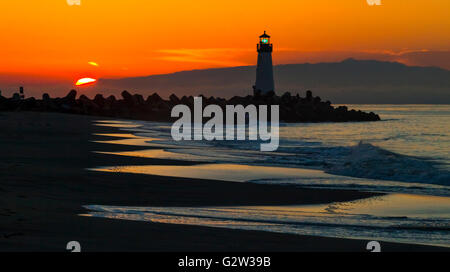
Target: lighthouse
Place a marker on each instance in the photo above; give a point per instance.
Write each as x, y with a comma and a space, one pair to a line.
264, 70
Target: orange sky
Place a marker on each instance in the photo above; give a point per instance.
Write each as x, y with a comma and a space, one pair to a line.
51, 39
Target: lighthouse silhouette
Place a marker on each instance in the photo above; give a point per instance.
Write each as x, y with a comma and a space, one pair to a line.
264, 70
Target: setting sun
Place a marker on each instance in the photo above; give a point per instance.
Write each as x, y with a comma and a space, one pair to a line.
85, 81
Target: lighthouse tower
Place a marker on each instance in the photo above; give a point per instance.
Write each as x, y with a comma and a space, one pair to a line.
264, 71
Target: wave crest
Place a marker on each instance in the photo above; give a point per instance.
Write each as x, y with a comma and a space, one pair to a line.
368, 161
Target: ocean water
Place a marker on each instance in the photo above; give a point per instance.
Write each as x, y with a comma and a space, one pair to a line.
409, 148
407, 154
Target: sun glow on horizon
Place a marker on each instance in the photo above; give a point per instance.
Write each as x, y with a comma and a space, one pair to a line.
85, 81
65, 40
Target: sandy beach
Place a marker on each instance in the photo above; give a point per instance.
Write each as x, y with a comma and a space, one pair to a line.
44, 183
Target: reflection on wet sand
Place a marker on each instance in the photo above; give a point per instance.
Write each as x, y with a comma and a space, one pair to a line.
116, 124
225, 172
395, 217
117, 135
127, 139
262, 174
159, 154
134, 141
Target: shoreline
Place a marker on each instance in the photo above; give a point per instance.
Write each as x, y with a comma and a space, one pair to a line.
45, 186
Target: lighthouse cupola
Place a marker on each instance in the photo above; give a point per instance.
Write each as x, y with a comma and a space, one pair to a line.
264, 43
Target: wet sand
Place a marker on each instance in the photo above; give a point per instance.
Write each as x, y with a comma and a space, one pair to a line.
44, 184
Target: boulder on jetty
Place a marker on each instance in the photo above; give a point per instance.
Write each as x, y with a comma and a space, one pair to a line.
293, 108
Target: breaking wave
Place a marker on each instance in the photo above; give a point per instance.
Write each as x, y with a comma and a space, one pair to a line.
368, 161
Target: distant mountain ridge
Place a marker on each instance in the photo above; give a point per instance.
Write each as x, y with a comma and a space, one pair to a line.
349, 81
